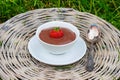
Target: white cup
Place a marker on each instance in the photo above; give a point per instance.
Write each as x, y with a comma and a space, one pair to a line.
58, 49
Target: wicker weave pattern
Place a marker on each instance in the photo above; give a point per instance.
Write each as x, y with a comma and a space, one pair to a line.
17, 64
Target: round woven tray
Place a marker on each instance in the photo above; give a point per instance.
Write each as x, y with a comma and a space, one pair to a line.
16, 63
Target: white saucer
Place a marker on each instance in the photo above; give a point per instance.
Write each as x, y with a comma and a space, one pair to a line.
41, 54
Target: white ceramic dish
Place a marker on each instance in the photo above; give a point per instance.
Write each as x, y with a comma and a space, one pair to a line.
58, 49
41, 54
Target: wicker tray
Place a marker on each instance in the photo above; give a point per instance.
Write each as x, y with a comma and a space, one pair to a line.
17, 64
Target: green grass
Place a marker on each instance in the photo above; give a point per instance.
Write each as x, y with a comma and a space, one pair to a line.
106, 9
109, 10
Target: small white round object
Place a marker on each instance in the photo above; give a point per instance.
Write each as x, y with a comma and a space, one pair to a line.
58, 49
93, 33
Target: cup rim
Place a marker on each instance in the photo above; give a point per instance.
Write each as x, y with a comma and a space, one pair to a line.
61, 45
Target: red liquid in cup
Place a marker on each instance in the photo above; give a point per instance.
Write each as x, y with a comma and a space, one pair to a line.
68, 37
